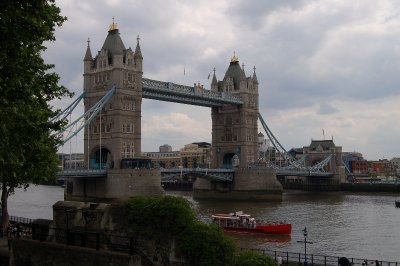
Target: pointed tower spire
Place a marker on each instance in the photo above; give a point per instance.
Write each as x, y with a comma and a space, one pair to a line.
113, 26
138, 52
234, 58
255, 76
88, 54
214, 82
214, 79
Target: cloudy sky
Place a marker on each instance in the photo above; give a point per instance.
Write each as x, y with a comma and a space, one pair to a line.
324, 66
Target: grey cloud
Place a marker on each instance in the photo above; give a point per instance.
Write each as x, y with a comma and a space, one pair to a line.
337, 51
252, 13
326, 109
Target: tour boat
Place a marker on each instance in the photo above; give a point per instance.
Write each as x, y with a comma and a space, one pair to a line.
240, 222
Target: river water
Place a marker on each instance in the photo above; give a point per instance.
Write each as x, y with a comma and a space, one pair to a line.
338, 223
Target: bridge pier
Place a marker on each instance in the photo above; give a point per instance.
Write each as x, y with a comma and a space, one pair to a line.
315, 183
117, 184
248, 184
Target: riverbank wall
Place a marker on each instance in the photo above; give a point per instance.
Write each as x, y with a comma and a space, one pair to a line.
370, 187
30, 252
313, 185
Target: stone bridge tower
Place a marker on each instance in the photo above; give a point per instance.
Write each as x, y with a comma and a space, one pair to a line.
116, 132
234, 128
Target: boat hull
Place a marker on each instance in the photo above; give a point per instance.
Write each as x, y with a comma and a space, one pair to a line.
278, 229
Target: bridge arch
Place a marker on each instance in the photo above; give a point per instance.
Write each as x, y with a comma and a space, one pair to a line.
230, 160
101, 158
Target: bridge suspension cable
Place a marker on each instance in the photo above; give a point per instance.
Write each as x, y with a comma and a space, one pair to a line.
67, 111
320, 166
293, 163
277, 145
86, 118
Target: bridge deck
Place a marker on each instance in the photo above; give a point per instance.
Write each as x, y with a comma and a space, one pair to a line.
176, 173
171, 92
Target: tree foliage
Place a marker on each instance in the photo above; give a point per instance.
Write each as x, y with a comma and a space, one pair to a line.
27, 85
203, 245
168, 218
150, 215
250, 258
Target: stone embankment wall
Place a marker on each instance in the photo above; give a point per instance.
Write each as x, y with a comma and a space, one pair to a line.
78, 229
370, 187
249, 184
321, 184
29, 252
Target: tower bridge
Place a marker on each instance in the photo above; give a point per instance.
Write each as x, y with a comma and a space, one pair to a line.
112, 130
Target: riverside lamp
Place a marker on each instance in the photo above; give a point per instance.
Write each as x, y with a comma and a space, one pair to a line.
305, 245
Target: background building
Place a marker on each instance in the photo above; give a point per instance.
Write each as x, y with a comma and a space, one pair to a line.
71, 161
192, 155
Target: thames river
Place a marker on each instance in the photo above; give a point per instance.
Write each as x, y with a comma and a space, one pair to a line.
338, 223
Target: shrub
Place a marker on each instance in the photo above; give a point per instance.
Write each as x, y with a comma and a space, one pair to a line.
250, 258
163, 219
203, 244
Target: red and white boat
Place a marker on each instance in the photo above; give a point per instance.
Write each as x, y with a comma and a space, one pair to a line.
240, 222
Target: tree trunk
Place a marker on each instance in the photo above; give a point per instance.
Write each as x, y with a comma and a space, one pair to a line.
4, 210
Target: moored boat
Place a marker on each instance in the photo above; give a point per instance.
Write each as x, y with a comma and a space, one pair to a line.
240, 222
397, 203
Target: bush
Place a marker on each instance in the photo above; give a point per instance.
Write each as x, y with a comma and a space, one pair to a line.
157, 216
203, 244
250, 258
163, 219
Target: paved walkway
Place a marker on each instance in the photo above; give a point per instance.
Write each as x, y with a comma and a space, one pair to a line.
4, 252
4, 247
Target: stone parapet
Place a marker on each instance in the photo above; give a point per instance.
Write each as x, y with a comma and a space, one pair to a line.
29, 252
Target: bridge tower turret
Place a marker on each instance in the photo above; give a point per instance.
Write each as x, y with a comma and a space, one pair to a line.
138, 57
234, 128
115, 134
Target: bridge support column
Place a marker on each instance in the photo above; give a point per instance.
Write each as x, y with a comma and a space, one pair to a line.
117, 184
248, 184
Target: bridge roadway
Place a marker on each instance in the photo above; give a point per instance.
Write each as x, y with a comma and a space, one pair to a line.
171, 92
166, 174
226, 175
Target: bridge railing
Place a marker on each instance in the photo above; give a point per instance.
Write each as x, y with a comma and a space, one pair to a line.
79, 172
187, 90
215, 170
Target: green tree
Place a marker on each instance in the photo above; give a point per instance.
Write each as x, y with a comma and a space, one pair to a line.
250, 258
202, 244
167, 219
159, 219
27, 148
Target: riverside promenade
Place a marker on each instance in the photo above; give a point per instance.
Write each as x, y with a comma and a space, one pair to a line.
4, 252
285, 257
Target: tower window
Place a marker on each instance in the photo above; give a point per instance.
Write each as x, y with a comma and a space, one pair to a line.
128, 150
127, 128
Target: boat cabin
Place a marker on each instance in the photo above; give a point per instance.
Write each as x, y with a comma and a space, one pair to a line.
237, 219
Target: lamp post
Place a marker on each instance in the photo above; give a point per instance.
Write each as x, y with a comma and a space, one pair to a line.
305, 245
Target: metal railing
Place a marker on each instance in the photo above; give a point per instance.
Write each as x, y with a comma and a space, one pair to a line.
87, 239
292, 258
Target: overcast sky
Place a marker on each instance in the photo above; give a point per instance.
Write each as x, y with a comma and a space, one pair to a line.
327, 66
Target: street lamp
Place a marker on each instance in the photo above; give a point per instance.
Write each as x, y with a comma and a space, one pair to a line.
305, 245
